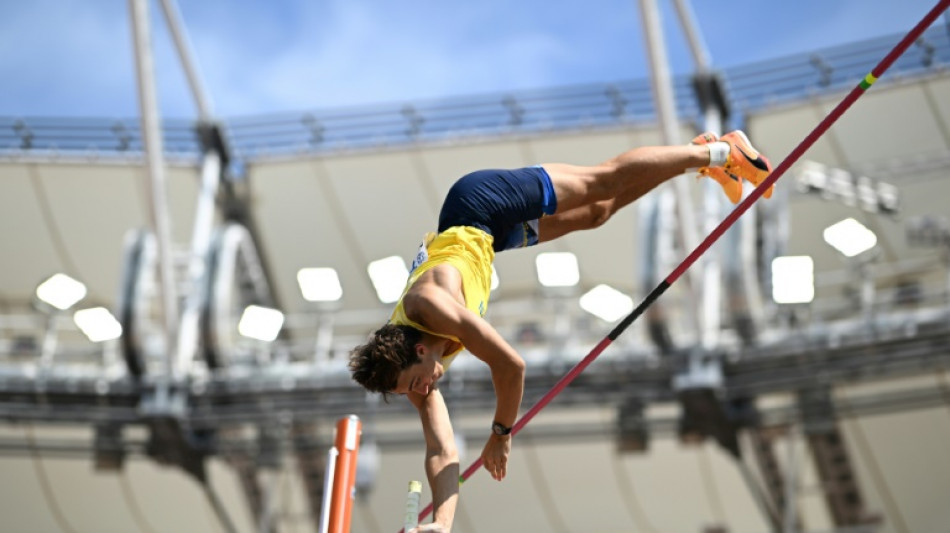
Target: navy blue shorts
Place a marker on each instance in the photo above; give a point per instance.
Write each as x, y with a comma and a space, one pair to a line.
504, 203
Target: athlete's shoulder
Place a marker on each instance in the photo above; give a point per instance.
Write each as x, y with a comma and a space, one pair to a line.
446, 276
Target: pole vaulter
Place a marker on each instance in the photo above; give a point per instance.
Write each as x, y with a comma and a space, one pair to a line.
730, 219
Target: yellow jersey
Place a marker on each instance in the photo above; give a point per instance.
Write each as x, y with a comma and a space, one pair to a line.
470, 251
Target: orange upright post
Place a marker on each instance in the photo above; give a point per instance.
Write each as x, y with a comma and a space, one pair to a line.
347, 443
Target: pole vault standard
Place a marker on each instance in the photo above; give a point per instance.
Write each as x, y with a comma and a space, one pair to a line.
730, 219
340, 481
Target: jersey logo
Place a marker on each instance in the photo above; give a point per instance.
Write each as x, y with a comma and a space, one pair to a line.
481, 308
421, 256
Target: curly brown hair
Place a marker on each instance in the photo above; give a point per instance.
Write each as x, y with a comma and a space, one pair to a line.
376, 365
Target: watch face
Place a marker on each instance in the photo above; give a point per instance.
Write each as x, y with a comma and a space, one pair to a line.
499, 429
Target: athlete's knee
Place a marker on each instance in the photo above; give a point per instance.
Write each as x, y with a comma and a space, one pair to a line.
597, 183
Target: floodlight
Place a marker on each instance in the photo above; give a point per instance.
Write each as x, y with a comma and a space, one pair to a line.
793, 279
850, 237
607, 303
98, 324
557, 269
389, 277
61, 291
261, 323
319, 284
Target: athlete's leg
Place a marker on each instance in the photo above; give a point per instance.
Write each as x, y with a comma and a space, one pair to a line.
585, 217
629, 176
587, 196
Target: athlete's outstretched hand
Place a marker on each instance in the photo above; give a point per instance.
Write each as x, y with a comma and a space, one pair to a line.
495, 455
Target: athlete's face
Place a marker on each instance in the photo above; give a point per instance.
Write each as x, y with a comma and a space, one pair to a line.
421, 377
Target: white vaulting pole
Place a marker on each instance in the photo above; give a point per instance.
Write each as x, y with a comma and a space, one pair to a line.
411, 519
328, 490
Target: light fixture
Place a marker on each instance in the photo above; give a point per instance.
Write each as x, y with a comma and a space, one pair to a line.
261, 323
97, 324
793, 279
61, 291
850, 237
607, 303
557, 269
389, 277
319, 284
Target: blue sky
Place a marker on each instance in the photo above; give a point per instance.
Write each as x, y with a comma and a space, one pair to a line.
74, 57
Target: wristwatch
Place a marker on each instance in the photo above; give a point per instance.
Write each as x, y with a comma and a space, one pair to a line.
500, 429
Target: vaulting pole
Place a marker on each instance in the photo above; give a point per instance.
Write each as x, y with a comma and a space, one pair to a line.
730, 219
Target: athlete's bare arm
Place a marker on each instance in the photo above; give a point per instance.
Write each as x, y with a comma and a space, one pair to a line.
435, 303
442, 461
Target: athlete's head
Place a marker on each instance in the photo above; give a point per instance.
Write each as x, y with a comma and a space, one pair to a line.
377, 364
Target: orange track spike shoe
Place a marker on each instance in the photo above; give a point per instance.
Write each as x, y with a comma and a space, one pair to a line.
729, 183
745, 161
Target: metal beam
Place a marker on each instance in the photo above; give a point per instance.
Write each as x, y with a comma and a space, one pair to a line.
158, 201
185, 55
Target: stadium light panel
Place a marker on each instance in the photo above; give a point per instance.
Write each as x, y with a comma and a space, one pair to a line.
557, 269
97, 324
61, 291
850, 237
261, 323
606, 303
793, 279
389, 277
319, 284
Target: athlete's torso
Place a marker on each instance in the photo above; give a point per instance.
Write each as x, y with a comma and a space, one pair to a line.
469, 251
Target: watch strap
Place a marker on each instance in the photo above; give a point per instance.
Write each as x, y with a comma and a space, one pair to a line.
500, 429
